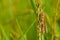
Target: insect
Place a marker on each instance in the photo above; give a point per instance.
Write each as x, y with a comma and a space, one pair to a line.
41, 20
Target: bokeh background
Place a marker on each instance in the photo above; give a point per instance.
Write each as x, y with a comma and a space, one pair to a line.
18, 19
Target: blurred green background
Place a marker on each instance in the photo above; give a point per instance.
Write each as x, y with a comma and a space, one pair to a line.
18, 19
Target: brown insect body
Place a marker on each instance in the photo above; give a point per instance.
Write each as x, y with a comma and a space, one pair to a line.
43, 23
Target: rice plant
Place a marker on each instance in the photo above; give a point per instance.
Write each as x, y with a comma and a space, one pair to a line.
22, 19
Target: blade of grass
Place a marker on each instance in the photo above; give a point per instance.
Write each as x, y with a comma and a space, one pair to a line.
33, 6
4, 34
27, 30
24, 38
